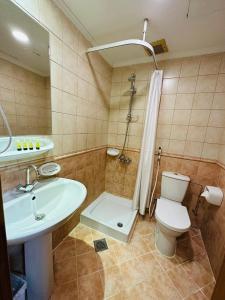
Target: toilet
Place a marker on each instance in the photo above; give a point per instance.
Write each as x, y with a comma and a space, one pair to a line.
172, 217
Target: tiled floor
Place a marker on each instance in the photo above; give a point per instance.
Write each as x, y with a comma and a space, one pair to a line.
131, 271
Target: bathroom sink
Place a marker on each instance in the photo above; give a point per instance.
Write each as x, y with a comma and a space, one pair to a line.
30, 219
56, 198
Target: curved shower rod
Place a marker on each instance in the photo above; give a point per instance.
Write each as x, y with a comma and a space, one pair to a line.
147, 47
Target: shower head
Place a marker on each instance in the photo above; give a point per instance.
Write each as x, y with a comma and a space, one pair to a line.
132, 81
132, 77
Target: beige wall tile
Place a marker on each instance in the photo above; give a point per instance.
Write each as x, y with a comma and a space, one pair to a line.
193, 149
210, 64
214, 135
210, 151
217, 118
190, 66
220, 87
219, 101
181, 116
176, 147
165, 116
171, 68
179, 132
163, 131
170, 86
206, 83
203, 101
184, 101
196, 133
187, 85
167, 101
199, 117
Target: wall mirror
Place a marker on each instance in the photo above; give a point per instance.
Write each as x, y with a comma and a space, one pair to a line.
24, 72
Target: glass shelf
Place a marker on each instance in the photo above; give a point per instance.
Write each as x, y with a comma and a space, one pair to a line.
13, 154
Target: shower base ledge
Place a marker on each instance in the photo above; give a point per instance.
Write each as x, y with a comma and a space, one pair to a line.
106, 212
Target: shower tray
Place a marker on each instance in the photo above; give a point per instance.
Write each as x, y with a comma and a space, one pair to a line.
112, 215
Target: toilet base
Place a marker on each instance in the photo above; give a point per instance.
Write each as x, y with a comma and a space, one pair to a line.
166, 244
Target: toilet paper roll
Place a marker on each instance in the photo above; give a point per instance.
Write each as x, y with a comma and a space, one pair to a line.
213, 195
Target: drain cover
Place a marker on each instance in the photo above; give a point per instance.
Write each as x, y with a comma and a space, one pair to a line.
100, 245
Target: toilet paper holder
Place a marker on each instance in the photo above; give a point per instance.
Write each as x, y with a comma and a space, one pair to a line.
213, 195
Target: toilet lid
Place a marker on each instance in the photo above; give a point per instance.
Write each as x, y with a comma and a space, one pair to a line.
172, 215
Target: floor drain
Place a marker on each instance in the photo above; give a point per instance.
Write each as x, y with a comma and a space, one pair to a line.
120, 224
100, 245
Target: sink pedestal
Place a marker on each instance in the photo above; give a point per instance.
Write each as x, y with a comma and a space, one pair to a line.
39, 267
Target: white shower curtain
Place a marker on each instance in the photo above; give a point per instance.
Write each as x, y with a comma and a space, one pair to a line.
145, 167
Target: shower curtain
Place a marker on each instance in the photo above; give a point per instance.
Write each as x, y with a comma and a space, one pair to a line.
146, 161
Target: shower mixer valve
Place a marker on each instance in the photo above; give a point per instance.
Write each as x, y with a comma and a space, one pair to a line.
124, 159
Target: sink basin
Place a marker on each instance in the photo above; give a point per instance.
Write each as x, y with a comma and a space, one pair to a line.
56, 200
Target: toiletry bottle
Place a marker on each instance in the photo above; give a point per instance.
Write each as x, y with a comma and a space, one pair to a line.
25, 145
18, 146
31, 147
38, 145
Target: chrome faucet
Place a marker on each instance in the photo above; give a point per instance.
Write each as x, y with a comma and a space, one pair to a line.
29, 186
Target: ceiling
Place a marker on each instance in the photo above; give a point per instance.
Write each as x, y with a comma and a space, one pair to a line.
33, 55
103, 21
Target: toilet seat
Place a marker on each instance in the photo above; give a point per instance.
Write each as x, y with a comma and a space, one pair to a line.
172, 214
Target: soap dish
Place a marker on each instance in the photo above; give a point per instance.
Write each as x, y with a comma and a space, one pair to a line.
113, 151
49, 169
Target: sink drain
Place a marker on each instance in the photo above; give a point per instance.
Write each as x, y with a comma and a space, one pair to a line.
120, 224
39, 217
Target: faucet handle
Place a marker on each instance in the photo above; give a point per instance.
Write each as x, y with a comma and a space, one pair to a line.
21, 187
27, 188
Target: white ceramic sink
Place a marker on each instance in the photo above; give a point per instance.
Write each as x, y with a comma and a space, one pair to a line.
57, 199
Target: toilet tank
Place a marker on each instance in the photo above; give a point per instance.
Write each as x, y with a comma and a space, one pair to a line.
174, 186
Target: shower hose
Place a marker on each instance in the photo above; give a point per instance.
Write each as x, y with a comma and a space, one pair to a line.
151, 207
6, 123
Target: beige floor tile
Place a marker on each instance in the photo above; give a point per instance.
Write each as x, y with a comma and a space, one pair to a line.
198, 273
82, 232
139, 291
106, 259
123, 252
166, 263
150, 240
139, 245
208, 290
84, 247
116, 297
90, 287
132, 273
184, 284
87, 263
134, 270
144, 227
66, 249
150, 265
65, 270
188, 249
68, 291
204, 262
160, 287
197, 296
97, 235
111, 281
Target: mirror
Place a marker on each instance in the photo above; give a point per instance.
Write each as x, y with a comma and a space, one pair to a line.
24, 73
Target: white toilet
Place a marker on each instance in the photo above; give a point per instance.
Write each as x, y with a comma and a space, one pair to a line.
171, 216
